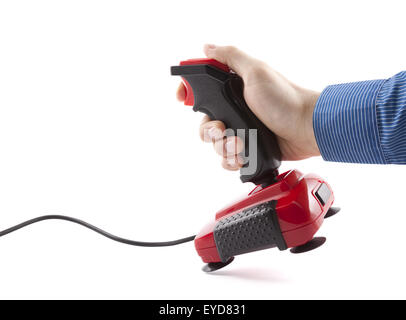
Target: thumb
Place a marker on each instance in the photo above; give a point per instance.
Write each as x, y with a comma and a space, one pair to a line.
236, 59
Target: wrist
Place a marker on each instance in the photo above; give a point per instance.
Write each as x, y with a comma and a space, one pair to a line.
310, 100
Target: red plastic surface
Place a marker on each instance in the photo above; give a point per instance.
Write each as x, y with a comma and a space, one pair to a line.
189, 98
300, 213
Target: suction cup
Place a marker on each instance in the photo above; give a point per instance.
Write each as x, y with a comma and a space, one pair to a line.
311, 245
331, 212
213, 266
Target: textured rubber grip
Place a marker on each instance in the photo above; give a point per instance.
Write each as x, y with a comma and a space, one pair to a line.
219, 94
252, 229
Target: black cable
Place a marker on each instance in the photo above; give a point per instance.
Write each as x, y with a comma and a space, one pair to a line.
98, 230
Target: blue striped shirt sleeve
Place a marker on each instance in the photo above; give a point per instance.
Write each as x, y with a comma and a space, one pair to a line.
391, 118
363, 122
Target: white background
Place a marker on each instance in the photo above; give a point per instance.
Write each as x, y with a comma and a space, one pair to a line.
90, 127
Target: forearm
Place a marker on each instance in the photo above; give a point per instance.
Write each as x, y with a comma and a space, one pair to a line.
363, 122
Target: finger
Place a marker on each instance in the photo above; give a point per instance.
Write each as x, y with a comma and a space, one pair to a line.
205, 119
181, 92
234, 145
229, 146
211, 130
236, 59
233, 163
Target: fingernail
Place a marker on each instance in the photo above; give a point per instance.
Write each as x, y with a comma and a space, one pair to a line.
230, 147
214, 133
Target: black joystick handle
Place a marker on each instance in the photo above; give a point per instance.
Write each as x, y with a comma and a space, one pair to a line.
213, 89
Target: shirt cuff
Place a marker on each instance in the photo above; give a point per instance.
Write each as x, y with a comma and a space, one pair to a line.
345, 125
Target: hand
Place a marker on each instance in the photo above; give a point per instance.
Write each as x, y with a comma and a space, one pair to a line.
285, 108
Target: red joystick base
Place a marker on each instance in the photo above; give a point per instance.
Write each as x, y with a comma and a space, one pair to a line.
286, 214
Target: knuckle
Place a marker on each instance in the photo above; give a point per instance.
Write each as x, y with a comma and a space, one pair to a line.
217, 124
258, 70
231, 49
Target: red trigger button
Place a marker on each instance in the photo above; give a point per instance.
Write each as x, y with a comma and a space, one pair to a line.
189, 97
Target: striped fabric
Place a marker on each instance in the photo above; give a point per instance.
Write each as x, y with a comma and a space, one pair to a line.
363, 122
391, 116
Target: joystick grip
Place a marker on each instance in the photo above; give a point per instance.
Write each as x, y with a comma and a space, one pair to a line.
212, 89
